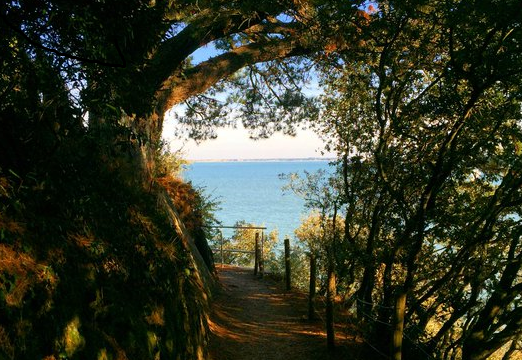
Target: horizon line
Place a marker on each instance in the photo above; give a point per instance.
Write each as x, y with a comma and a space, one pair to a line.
312, 158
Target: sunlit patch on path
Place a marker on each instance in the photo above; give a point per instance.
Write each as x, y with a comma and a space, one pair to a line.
255, 319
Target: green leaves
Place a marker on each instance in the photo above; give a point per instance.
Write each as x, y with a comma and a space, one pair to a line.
432, 133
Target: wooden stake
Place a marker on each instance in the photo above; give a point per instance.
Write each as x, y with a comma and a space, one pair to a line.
288, 275
256, 255
311, 292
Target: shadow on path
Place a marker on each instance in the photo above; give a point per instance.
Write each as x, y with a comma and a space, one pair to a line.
254, 319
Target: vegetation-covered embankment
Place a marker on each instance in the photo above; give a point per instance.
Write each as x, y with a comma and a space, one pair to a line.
91, 263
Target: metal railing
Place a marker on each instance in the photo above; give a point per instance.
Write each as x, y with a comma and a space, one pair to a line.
257, 246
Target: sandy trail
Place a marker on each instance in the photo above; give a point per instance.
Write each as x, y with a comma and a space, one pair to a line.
254, 319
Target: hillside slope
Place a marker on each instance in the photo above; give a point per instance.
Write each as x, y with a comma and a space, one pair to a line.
93, 265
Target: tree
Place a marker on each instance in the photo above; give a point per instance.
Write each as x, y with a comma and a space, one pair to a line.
82, 98
432, 99
127, 73
316, 233
320, 193
424, 121
83, 92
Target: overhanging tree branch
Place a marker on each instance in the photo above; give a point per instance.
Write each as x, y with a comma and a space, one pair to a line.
178, 88
207, 28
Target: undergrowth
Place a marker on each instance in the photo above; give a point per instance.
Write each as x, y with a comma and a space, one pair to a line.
90, 266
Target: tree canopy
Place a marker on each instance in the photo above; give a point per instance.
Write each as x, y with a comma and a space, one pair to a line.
427, 127
132, 59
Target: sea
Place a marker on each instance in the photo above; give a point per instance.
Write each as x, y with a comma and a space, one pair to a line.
251, 191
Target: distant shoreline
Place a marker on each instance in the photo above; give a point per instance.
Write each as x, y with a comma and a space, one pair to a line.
262, 160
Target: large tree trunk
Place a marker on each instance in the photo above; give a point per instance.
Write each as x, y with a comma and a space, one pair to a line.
129, 143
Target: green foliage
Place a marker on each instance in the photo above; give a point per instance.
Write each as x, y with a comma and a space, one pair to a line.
243, 239
299, 263
167, 162
426, 163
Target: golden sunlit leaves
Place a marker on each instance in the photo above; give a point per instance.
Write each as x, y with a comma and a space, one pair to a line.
363, 17
518, 147
72, 340
8, 225
6, 345
330, 48
26, 271
156, 316
184, 198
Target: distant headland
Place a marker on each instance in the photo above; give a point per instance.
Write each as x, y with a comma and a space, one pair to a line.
264, 160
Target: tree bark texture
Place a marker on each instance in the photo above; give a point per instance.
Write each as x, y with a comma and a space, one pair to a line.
311, 292
398, 326
330, 298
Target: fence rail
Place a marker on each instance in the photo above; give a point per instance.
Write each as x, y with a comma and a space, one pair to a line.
257, 246
236, 227
235, 251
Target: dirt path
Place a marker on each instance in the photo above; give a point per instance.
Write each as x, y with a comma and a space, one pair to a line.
254, 319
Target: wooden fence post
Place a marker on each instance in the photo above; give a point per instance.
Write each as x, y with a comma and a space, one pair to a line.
222, 258
288, 275
256, 254
311, 293
261, 256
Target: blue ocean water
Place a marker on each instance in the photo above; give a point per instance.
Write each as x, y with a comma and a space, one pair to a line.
252, 191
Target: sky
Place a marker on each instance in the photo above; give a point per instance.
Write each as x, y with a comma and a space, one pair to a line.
234, 144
